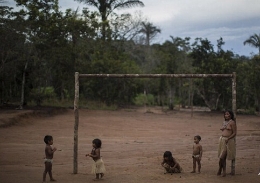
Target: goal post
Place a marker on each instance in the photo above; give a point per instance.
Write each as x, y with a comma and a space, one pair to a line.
76, 99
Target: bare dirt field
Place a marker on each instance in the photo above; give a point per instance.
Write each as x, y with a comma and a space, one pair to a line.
133, 145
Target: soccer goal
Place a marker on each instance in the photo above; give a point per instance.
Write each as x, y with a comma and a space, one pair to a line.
76, 99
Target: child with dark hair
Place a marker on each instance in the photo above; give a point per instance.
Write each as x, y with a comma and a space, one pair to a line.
49, 151
170, 164
197, 153
98, 166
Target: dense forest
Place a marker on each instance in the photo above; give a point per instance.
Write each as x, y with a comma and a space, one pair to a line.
42, 47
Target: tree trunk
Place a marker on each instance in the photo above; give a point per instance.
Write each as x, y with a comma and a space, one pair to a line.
23, 86
205, 100
171, 94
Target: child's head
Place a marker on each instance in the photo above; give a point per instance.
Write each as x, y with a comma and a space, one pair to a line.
97, 143
197, 138
228, 114
47, 139
167, 155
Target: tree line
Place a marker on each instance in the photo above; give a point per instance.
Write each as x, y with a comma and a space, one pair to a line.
42, 47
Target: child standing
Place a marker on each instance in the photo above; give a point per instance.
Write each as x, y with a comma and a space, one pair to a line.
197, 153
98, 166
49, 151
170, 164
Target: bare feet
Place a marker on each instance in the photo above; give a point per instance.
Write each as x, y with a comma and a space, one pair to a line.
193, 172
102, 175
53, 180
219, 173
224, 175
232, 173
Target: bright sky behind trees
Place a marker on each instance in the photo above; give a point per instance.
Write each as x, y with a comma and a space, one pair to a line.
233, 20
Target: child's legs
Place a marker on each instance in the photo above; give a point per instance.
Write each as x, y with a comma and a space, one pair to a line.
48, 168
102, 175
194, 164
176, 170
199, 164
45, 172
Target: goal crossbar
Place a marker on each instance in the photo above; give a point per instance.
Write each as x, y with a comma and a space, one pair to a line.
155, 75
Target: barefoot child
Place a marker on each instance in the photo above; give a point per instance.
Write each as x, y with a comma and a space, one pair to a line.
49, 151
170, 164
98, 166
197, 153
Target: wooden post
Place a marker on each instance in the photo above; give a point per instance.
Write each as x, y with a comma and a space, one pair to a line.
76, 113
234, 93
234, 109
191, 82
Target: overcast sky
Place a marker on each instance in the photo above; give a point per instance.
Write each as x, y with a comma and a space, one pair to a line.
233, 20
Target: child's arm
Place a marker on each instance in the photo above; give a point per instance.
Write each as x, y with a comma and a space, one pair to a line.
163, 162
176, 164
89, 154
200, 147
193, 151
97, 155
50, 151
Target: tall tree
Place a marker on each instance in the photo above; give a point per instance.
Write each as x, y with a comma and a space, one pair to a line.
12, 50
106, 7
206, 60
44, 32
254, 41
150, 31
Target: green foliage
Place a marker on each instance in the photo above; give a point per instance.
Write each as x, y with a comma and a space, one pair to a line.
206, 60
55, 45
40, 94
142, 99
250, 111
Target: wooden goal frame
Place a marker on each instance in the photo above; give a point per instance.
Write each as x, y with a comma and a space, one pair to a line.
76, 99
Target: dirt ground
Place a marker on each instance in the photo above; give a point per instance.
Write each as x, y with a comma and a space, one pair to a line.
133, 143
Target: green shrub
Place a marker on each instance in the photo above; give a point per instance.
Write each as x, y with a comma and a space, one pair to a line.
142, 99
40, 94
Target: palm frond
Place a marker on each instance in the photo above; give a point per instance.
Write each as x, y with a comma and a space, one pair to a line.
253, 40
121, 4
90, 2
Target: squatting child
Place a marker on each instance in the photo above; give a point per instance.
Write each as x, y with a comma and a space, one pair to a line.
170, 164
